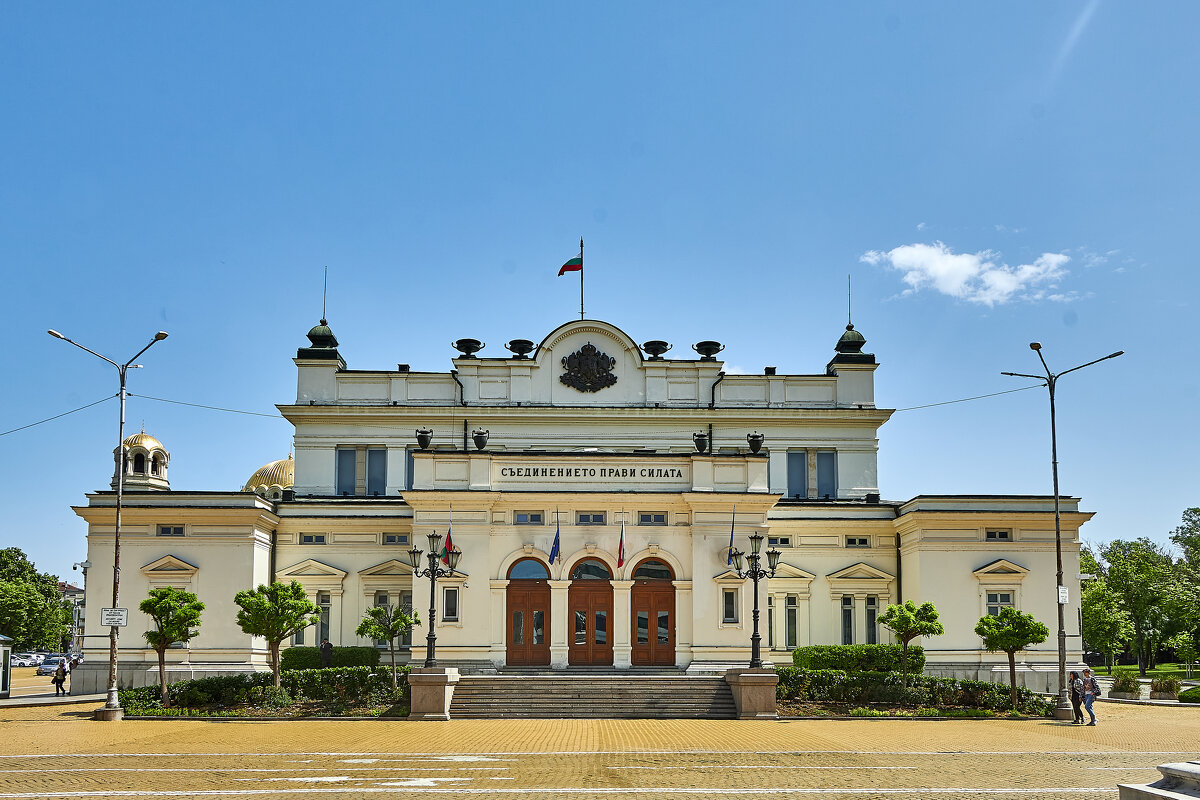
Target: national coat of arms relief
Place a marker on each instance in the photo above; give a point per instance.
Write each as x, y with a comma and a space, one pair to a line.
588, 369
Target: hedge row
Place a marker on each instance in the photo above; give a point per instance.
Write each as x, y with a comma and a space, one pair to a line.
858, 657
339, 688
1191, 695
310, 657
858, 688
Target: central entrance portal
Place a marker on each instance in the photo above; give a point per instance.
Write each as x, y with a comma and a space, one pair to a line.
652, 601
528, 600
589, 611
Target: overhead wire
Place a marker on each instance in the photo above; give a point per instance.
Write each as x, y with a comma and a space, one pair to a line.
58, 416
276, 415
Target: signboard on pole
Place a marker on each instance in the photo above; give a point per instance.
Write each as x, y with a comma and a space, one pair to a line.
114, 617
1062, 596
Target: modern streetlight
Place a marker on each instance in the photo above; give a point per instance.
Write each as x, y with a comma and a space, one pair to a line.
112, 709
433, 571
755, 573
1064, 710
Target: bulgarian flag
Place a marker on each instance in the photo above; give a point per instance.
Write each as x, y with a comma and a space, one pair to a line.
448, 546
574, 265
621, 545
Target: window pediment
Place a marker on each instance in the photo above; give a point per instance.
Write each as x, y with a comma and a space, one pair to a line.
860, 571
1001, 571
170, 565
388, 569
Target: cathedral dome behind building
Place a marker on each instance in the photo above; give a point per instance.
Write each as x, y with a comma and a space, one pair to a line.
146, 463
271, 479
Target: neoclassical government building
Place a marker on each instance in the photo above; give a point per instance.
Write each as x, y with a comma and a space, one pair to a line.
641, 465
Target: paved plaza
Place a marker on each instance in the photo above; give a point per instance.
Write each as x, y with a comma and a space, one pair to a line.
58, 752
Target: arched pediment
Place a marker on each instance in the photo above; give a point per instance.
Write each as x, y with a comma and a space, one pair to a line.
592, 327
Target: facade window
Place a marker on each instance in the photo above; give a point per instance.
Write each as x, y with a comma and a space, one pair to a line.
847, 619
312, 538
406, 607
779, 541
771, 621
872, 615
797, 473
652, 518
344, 481
381, 599
857, 541
155, 465
528, 518
170, 530
999, 536
449, 604
791, 621
997, 601
376, 472
139, 463
324, 606
298, 639
729, 605
408, 468
827, 474
589, 518
395, 538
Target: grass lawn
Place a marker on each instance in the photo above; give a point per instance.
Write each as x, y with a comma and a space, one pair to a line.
1161, 671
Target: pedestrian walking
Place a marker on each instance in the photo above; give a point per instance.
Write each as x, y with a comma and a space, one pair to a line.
1091, 690
1077, 698
326, 654
60, 677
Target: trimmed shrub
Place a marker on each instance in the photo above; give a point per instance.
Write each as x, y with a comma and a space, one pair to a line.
1169, 685
310, 657
861, 688
1191, 695
859, 657
1124, 680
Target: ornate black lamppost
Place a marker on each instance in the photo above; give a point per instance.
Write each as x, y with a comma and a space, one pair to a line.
755, 573
1063, 711
434, 572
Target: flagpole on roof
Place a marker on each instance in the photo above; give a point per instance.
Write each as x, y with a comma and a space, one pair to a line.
581, 277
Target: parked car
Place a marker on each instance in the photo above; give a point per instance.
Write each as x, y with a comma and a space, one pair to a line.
23, 660
48, 666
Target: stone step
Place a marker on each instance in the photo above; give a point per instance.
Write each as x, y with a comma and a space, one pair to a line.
592, 695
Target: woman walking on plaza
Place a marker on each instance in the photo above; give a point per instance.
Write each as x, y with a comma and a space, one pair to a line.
1077, 698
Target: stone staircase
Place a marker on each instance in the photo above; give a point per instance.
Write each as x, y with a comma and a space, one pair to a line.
590, 694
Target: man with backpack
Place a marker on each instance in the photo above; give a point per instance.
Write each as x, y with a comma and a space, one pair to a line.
1091, 690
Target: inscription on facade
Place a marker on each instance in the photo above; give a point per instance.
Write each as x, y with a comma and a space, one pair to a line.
591, 472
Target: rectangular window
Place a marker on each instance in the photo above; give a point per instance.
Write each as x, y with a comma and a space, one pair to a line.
872, 614
344, 481
791, 621
406, 607
652, 518
589, 518
999, 536
779, 541
170, 530
381, 599
408, 468
312, 538
997, 601
857, 541
395, 538
324, 606
298, 639
376, 472
528, 518
797, 473
450, 604
827, 474
771, 622
729, 605
847, 619
643, 627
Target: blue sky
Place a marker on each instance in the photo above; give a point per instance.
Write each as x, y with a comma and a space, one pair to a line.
990, 175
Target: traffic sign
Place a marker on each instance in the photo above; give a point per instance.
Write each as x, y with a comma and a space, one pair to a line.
114, 617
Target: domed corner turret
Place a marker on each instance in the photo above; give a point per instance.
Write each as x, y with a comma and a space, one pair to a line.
271, 480
146, 462
849, 350
323, 344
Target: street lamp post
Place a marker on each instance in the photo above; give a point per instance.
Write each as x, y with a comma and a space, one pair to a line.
112, 708
755, 573
433, 571
1064, 709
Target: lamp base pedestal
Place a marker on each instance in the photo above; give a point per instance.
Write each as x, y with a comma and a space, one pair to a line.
753, 692
432, 689
1179, 781
1064, 712
106, 714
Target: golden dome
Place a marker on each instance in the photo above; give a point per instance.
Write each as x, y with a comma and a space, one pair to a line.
144, 440
278, 473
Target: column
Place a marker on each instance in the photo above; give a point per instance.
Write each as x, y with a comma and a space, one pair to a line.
619, 627
560, 624
498, 647
684, 635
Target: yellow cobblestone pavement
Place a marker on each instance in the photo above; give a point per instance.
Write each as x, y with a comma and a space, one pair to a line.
59, 752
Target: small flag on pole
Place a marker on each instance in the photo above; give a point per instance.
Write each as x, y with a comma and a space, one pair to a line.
574, 265
731, 526
554, 547
621, 546
448, 545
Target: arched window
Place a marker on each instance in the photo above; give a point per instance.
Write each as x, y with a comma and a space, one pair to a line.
528, 569
155, 464
652, 569
139, 463
590, 570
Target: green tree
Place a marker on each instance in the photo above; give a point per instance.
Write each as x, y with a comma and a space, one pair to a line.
1186, 650
1143, 574
1106, 624
1010, 631
388, 623
275, 612
176, 617
1187, 536
908, 621
32, 611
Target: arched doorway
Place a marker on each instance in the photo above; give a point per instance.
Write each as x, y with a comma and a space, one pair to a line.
652, 602
528, 617
589, 611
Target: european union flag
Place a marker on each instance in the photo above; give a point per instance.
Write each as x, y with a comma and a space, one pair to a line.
554, 548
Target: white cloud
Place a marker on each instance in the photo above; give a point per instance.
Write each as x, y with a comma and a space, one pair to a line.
975, 277
920, 226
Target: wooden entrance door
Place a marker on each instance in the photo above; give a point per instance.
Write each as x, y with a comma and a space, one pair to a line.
528, 617
653, 623
589, 615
